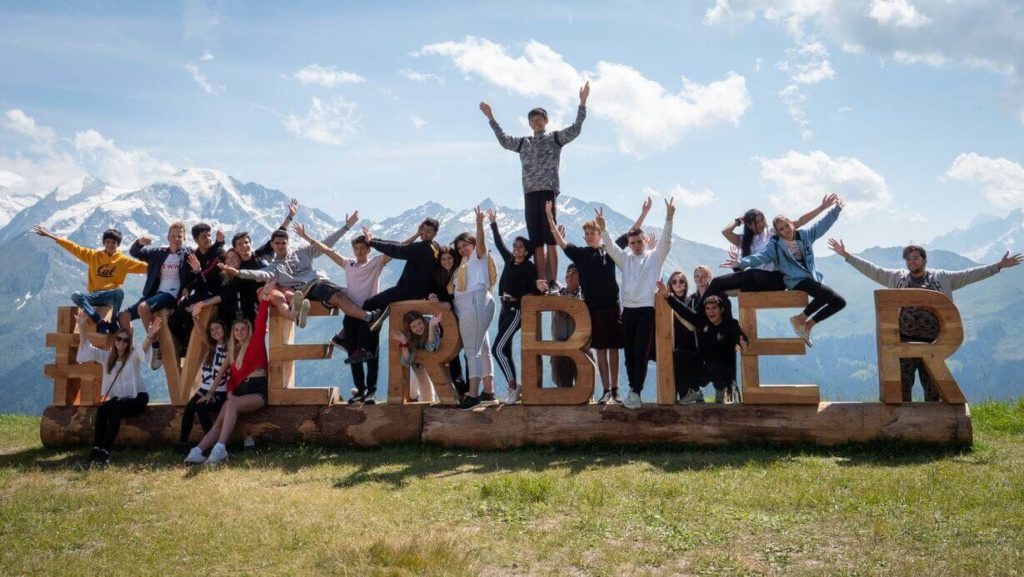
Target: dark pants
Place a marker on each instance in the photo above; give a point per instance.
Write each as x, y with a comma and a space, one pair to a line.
109, 415
207, 413
509, 322
825, 302
688, 369
383, 299
358, 336
750, 280
721, 374
638, 334
181, 321
910, 368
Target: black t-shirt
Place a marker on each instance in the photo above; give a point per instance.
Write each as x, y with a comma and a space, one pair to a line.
716, 342
597, 276
517, 280
420, 259
238, 295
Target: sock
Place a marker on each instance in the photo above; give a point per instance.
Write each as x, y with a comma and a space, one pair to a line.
221, 445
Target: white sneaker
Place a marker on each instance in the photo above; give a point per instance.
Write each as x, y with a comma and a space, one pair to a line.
195, 456
720, 396
632, 400
300, 319
693, 396
217, 454
513, 395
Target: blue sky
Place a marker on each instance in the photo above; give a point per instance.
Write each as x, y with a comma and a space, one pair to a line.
911, 109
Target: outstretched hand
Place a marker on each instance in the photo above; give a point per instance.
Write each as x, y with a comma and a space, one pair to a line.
368, 235
584, 93
144, 241
492, 215
300, 230
1008, 261
228, 270
399, 338
838, 247
41, 231
220, 235
651, 241
646, 206
829, 199
351, 219
479, 215
193, 262
486, 109
662, 289
436, 319
154, 327
731, 262
293, 208
599, 218
670, 208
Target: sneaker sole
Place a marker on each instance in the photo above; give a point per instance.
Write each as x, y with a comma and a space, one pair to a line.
300, 320
376, 324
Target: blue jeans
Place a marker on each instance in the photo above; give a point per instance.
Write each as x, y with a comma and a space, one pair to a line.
159, 301
86, 302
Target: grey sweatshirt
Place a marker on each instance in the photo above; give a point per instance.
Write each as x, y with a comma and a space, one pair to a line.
541, 153
295, 270
944, 281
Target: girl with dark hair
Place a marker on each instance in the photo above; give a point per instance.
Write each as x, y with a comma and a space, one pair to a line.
447, 263
122, 392
518, 279
792, 253
212, 393
756, 235
246, 364
418, 335
471, 284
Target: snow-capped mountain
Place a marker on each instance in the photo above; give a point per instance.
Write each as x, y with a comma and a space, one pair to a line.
985, 239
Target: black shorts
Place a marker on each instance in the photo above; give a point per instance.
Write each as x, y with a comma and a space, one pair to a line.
537, 227
252, 386
606, 328
323, 291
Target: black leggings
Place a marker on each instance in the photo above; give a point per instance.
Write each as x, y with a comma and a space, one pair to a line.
750, 280
721, 374
509, 321
207, 413
109, 415
688, 369
825, 302
358, 336
637, 335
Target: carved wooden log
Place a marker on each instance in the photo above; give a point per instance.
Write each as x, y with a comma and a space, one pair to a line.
433, 362
533, 349
826, 424
282, 354
159, 425
753, 391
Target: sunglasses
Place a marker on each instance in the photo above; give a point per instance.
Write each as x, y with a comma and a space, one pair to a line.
678, 281
122, 339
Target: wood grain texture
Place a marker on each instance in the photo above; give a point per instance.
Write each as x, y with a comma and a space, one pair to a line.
754, 392
534, 349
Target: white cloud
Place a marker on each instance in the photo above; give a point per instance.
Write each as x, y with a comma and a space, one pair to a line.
807, 63
801, 180
206, 57
9, 179
201, 80
417, 76
1001, 180
684, 196
986, 35
794, 101
646, 115
43, 168
326, 76
897, 13
418, 122
330, 122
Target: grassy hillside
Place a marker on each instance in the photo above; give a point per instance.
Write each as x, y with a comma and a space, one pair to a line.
891, 510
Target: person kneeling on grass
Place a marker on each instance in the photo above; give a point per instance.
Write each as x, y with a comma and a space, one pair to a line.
208, 400
123, 393
418, 335
247, 382
719, 338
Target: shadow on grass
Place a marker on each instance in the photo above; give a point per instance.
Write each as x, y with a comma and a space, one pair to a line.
397, 465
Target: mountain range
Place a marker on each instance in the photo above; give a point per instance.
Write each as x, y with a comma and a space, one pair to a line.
41, 276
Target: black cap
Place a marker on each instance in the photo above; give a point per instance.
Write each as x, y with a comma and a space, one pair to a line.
537, 111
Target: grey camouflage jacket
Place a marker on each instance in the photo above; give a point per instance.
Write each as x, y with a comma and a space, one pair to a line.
541, 153
295, 270
944, 281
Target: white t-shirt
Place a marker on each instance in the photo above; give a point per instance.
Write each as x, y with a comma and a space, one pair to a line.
362, 281
476, 273
170, 282
757, 244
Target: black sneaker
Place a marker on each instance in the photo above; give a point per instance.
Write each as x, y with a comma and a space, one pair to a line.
369, 400
338, 340
605, 397
554, 287
377, 319
469, 402
360, 356
106, 327
615, 395
102, 458
357, 397
487, 397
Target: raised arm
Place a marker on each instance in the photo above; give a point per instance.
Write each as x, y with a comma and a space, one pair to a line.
961, 278
883, 276
557, 234
569, 133
666, 233
826, 202
818, 229
86, 351
616, 254
513, 143
293, 209
136, 250
492, 216
319, 246
79, 252
481, 241
729, 232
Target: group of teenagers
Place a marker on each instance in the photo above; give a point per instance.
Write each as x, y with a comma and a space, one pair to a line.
244, 283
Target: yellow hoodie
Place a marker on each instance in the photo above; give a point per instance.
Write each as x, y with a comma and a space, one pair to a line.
105, 272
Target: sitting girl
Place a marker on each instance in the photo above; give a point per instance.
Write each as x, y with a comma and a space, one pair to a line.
207, 401
418, 335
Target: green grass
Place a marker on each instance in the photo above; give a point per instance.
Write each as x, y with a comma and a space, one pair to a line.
409, 510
